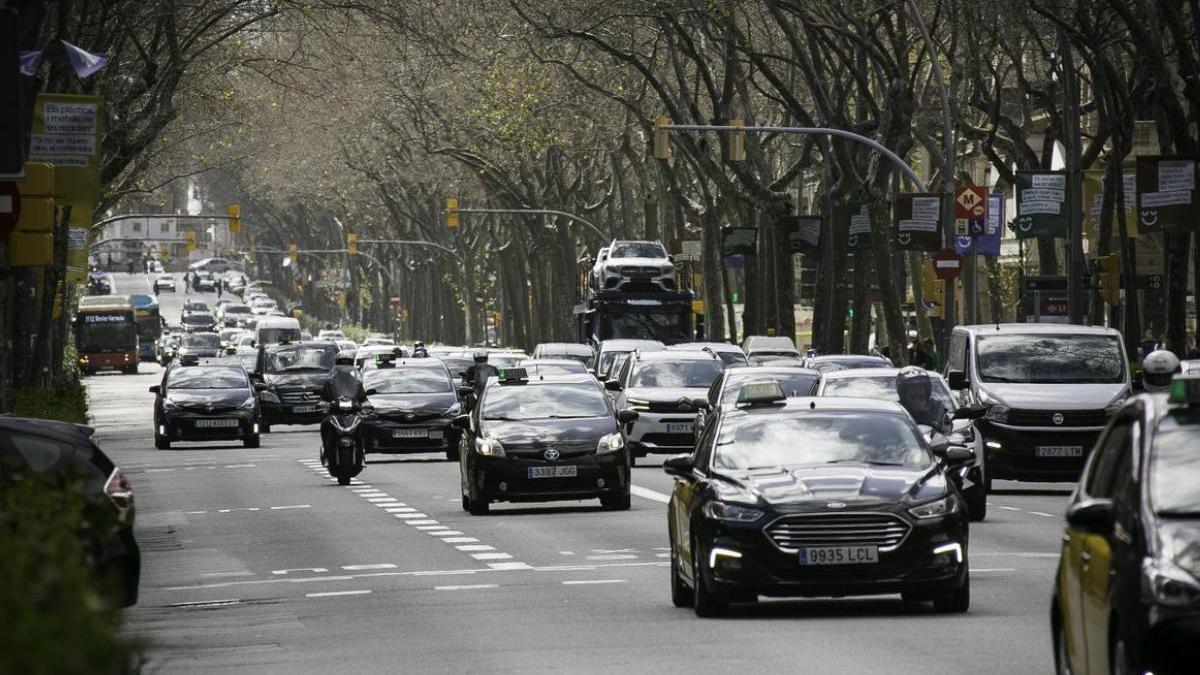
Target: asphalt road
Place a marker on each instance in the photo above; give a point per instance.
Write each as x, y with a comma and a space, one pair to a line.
254, 561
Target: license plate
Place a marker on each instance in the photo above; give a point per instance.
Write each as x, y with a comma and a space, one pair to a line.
304, 408
679, 428
435, 434
1058, 451
566, 471
410, 433
839, 555
208, 424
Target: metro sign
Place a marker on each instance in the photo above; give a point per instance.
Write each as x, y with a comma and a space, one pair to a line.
970, 211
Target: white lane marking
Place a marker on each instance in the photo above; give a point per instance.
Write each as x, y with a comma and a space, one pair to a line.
228, 574
510, 566
332, 594
445, 533
291, 506
401, 508
206, 603
566, 553
613, 556
460, 540
361, 568
614, 550
194, 512
157, 470
471, 587
239, 466
992, 569
422, 522
491, 556
662, 555
437, 530
647, 493
314, 570
383, 501
475, 547
587, 582
240, 508
1009, 508
409, 516
1044, 515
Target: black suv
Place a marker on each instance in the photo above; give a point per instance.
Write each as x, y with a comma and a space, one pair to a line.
294, 375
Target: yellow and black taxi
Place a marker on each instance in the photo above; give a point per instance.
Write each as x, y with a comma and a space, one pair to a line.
542, 438
208, 402
415, 400
791, 497
1127, 593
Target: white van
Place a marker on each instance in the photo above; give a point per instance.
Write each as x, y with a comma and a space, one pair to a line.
274, 329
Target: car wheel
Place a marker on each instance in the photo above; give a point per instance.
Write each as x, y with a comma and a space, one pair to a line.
956, 601
264, 428
617, 502
343, 479
681, 595
976, 497
1119, 657
452, 453
161, 443
706, 602
477, 507
251, 441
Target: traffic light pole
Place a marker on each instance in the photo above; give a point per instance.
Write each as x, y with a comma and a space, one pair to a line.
544, 212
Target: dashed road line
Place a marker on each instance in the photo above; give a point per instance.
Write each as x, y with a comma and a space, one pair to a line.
468, 587
647, 493
332, 594
589, 582
376, 566
313, 570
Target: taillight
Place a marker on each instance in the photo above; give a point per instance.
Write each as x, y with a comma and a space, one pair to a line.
119, 491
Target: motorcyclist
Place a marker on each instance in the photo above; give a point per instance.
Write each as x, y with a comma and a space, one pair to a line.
915, 390
1158, 369
478, 373
343, 383
419, 350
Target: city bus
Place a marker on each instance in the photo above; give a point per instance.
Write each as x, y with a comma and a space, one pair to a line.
149, 324
106, 335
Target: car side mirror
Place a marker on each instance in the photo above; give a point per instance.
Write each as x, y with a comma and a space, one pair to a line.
371, 392
154, 389
958, 456
957, 380
701, 403
627, 416
1092, 515
461, 422
966, 413
939, 444
612, 385
260, 386
678, 465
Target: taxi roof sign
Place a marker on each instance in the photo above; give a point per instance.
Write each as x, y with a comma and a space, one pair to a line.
512, 375
1185, 390
763, 392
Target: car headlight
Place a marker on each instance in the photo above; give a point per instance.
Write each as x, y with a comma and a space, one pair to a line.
345, 404
1165, 583
997, 413
610, 443
248, 404
454, 410
731, 512
637, 404
935, 509
667, 269
269, 396
490, 447
169, 405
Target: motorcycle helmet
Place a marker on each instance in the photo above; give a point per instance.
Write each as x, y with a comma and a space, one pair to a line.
912, 385
1158, 369
480, 356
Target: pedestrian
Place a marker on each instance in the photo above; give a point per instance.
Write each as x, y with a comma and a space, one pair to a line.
1148, 344
220, 283
187, 284
1191, 352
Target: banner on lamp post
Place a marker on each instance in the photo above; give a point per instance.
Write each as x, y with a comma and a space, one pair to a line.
1166, 193
917, 221
1041, 204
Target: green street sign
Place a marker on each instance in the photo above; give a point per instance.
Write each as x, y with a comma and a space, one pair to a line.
1041, 204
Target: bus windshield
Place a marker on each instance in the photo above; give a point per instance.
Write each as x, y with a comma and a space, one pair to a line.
106, 331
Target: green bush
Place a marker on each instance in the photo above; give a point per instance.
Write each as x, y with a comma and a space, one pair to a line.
66, 401
55, 618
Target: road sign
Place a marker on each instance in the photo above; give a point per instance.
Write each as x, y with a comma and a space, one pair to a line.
394, 299
918, 222
1166, 192
946, 263
1041, 204
10, 208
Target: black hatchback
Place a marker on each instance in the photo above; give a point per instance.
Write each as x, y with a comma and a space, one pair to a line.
533, 439
415, 400
815, 497
66, 451
213, 402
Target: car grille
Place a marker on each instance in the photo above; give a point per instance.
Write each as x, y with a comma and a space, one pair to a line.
1070, 418
836, 529
409, 416
298, 396
670, 407
639, 271
206, 409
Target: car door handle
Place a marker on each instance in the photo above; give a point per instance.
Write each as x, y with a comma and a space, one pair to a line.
1085, 556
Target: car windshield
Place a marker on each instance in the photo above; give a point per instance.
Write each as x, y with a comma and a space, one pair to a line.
732, 358
881, 388
832, 365
664, 325
202, 340
237, 309
545, 401
196, 307
794, 384
407, 381
638, 250
506, 360
560, 368
207, 378
1175, 470
770, 441
1050, 359
301, 357
676, 374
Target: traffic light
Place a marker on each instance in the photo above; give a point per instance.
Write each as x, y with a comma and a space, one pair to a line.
293, 254
191, 241
662, 139
352, 244
235, 218
934, 289
452, 213
737, 141
1109, 269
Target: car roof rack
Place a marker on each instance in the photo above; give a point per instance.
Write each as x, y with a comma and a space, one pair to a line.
760, 393
512, 376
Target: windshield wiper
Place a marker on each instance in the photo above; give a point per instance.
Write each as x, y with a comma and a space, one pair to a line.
295, 368
870, 462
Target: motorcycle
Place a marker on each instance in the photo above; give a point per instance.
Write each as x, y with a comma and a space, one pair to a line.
347, 457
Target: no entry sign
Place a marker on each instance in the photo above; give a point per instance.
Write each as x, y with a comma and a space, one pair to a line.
946, 263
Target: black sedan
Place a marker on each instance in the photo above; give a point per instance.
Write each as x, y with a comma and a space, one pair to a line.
294, 377
195, 346
199, 322
205, 403
41, 447
815, 497
542, 439
414, 400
